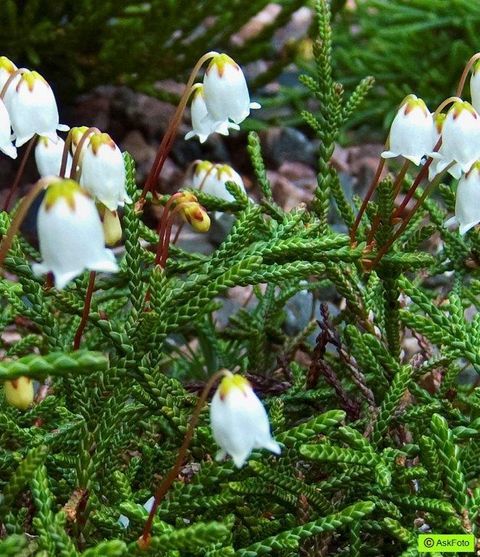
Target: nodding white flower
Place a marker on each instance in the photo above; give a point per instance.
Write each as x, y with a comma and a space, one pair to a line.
48, 156
467, 201
226, 91
437, 156
19, 392
7, 68
103, 171
6, 144
460, 139
239, 421
203, 123
475, 86
211, 178
32, 108
412, 134
70, 234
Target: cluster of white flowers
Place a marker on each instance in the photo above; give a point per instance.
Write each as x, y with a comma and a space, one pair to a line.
70, 230
27, 107
416, 132
222, 101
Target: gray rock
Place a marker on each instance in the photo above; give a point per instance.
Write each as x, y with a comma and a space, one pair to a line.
287, 144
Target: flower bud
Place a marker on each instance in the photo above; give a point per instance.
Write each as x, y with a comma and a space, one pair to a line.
467, 201
196, 216
19, 392
412, 134
226, 91
32, 108
70, 234
48, 156
185, 197
239, 421
460, 139
211, 179
6, 145
7, 68
103, 171
475, 86
112, 228
202, 123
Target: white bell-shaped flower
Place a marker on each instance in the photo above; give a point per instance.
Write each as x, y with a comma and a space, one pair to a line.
103, 171
70, 234
412, 134
48, 156
32, 108
239, 420
467, 201
7, 68
202, 123
438, 156
460, 139
6, 145
211, 179
226, 91
475, 86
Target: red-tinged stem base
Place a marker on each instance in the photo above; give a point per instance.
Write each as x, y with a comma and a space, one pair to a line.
144, 541
86, 310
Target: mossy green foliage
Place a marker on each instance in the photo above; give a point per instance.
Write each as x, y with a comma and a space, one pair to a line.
78, 45
376, 443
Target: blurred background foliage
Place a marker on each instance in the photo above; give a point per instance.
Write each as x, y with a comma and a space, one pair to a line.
81, 44
407, 45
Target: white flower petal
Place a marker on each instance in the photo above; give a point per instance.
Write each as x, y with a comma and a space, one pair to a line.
465, 227
452, 221
5, 132
63, 278
9, 150
389, 154
19, 141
